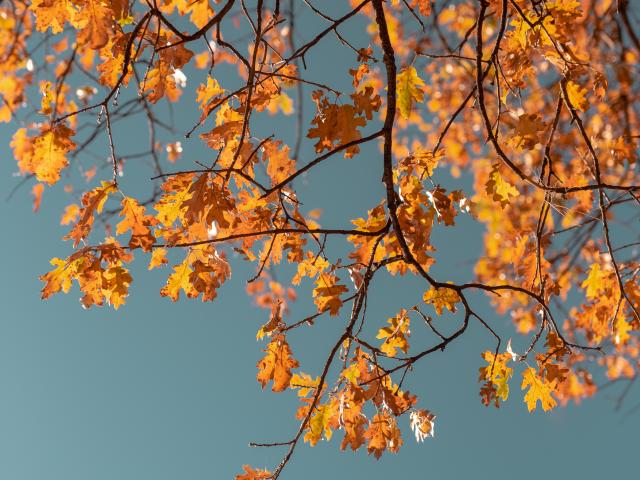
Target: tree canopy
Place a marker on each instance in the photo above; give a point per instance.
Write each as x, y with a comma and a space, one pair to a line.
519, 115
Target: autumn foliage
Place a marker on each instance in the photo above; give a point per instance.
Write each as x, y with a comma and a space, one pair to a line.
522, 115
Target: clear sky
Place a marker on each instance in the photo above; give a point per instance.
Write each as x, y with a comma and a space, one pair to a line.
162, 391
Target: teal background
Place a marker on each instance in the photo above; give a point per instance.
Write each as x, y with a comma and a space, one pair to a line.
166, 391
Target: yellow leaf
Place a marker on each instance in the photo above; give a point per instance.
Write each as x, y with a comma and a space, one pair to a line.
442, 298
395, 335
208, 95
311, 266
171, 206
281, 102
200, 10
497, 372
425, 159
409, 89
47, 100
304, 383
70, 214
319, 424
59, 279
158, 258
622, 330
351, 373
326, 294
500, 190
51, 14
528, 131
577, 96
124, 21
595, 281
178, 280
539, 389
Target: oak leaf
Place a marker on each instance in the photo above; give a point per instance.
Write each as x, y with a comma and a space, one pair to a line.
136, 220
319, 425
409, 89
251, 474
497, 373
207, 95
51, 14
304, 383
595, 281
49, 153
383, 434
351, 419
528, 131
395, 335
275, 321
577, 96
171, 206
92, 202
116, 285
210, 271
336, 125
441, 298
158, 258
277, 364
59, 279
539, 390
94, 20
179, 280
352, 373
366, 102
326, 294
47, 100
499, 189
424, 161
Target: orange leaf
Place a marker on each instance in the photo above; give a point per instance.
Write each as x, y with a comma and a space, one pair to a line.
383, 434
251, 474
441, 298
36, 191
158, 258
326, 294
92, 202
49, 153
277, 364
136, 220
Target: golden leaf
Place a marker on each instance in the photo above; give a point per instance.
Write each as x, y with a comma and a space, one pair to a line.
441, 298
539, 389
499, 189
409, 90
